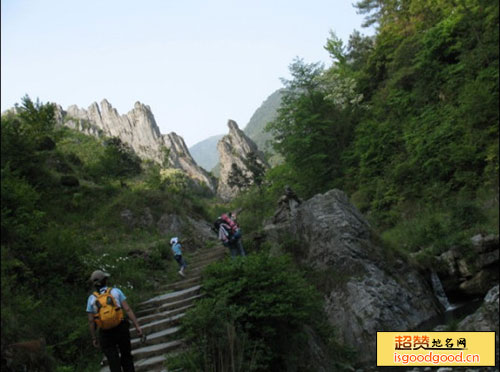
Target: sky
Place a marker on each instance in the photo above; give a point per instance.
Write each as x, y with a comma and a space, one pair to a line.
195, 63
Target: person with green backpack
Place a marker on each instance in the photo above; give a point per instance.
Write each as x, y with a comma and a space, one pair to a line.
106, 310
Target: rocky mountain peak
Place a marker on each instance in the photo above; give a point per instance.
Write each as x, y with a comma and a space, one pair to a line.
236, 149
137, 128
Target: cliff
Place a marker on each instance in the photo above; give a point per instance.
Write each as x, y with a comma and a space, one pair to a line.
137, 128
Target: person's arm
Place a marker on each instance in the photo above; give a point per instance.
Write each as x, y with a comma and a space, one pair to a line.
132, 317
223, 234
92, 329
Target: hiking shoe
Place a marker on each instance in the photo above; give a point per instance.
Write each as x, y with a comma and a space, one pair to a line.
182, 274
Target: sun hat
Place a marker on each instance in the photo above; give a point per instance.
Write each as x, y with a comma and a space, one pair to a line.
98, 276
174, 240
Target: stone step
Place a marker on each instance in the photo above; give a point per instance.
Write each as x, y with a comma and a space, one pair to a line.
206, 261
157, 325
150, 364
169, 306
196, 271
165, 336
181, 284
155, 350
157, 316
207, 254
169, 297
146, 365
143, 355
155, 338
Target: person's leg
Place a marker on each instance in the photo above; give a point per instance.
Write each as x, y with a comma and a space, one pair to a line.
127, 361
239, 244
178, 258
181, 263
110, 349
234, 250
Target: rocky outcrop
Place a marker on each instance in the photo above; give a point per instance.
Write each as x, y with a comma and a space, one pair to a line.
486, 318
236, 150
465, 277
365, 289
137, 128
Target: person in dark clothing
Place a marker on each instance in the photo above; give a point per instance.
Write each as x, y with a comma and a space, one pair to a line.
230, 237
114, 341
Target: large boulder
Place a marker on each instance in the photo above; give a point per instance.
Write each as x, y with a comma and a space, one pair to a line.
366, 289
486, 318
465, 275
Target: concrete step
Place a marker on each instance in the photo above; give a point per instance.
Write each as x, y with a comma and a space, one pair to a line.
169, 297
155, 338
155, 350
205, 262
160, 316
143, 354
158, 325
194, 271
169, 306
207, 254
150, 364
157, 316
146, 365
181, 284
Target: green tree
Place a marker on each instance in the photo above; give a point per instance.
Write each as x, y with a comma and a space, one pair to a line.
252, 317
237, 178
313, 127
118, 160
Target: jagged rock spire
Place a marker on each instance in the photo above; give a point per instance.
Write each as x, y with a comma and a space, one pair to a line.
234, 148
137, 128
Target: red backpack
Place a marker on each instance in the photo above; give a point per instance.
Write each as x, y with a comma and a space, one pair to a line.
234, 226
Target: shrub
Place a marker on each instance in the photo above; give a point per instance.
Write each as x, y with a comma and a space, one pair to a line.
252, 318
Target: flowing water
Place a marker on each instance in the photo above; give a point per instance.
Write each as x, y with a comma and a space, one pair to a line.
439, 292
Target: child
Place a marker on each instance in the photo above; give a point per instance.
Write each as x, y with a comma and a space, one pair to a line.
176, 249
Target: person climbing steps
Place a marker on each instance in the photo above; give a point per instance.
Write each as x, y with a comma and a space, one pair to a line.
177, 250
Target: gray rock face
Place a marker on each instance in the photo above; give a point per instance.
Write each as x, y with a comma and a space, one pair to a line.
365, 290
137, 128
234, 148
486, 318
466, 277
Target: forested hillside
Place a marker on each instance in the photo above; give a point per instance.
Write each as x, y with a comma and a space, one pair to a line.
406, 121
255, 129
71, 204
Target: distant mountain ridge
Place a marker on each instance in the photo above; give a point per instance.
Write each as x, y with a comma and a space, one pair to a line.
205, 152
266, 113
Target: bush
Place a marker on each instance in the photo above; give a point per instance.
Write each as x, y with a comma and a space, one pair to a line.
252, 318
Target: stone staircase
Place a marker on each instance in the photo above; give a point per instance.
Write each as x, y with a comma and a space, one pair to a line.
159, 316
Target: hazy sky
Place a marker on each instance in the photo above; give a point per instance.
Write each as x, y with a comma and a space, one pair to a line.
195, 63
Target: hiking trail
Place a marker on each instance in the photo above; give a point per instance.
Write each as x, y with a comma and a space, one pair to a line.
159, 316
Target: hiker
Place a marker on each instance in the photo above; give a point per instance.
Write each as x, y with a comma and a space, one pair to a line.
177, 250
287, 205
235, 239
230, 235
105, 310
